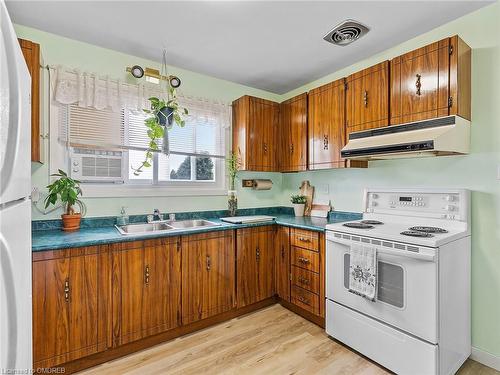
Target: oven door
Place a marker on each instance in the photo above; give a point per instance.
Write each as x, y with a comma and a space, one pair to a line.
406, 284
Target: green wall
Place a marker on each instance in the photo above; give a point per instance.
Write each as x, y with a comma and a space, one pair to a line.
477, 171
72, 53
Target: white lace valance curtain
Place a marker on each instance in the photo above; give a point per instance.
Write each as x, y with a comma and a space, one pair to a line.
72, 86
91, 91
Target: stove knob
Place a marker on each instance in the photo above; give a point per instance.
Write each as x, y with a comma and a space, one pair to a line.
449, 198
449, 207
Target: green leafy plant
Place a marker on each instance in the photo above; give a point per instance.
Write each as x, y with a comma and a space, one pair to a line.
164, 112
298, 199
233, 166
66, 190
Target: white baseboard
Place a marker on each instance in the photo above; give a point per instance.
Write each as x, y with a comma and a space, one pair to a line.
485, 358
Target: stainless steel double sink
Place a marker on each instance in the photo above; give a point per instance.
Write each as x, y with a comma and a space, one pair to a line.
164, 226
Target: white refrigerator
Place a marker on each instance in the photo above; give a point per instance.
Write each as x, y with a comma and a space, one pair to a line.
15, 204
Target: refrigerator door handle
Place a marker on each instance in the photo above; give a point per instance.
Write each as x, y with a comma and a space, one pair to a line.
9, 309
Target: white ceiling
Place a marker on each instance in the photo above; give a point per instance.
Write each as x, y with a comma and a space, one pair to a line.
274, 45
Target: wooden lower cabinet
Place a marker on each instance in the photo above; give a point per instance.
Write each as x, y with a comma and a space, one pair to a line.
94, 304
208, 275
282, 263
146, 287
70, 304
255, 264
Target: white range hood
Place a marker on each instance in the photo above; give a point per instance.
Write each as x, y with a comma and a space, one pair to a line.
441, 136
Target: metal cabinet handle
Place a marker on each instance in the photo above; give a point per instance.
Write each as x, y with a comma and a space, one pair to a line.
66, 290
209, 263
265, 147
146, 275
283, 252
291, 148
303, 300
303, 260
304, 239
303, 280
325, 141
257, 254
365, 98
418, 84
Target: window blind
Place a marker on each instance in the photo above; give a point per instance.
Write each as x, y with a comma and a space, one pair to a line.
87, 127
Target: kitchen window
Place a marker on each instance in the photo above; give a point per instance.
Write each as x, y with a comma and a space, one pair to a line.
105, 145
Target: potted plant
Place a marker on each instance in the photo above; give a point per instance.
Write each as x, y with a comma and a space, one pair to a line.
162, 116
298, 203
67, 191
232, 198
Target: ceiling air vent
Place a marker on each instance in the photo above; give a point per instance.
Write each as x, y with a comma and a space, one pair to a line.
346, 32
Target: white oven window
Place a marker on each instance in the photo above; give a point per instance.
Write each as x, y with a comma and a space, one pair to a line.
390, 282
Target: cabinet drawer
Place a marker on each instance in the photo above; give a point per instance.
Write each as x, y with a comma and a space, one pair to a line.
305, 299
306, 259
305, 239
305, 279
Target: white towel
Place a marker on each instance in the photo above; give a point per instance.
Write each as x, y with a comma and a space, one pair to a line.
363, 271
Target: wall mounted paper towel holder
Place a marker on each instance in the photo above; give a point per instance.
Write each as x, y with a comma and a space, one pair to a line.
257, 184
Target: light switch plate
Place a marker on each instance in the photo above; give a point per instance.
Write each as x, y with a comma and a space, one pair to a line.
498, 172
323, 189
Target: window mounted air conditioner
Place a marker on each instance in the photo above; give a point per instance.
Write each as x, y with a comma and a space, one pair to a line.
97, 165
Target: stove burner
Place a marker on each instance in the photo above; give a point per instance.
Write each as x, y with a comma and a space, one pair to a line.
414, 233
428, 229
371, 222
358, 225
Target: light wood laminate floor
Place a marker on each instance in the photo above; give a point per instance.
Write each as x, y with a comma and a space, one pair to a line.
273, 340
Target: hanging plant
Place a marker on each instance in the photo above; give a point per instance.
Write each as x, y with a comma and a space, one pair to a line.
162, 116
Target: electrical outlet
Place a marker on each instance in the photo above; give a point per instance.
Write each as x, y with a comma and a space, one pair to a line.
323, 189
35, 195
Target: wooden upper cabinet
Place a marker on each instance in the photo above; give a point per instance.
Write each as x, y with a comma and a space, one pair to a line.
292, 134
254, 264
326, 112
31, 53
70, 309
432, 81
147, 284
255, 123
282, 263
208, 275
367, 103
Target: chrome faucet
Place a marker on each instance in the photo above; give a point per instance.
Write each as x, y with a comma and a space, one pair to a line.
157, 216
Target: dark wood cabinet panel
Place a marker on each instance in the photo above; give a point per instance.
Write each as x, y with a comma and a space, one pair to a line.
326, 111
425, 82
148, 286
255, 123
367, 104
292, 134
31, 53
254, 264
208, 275
282, 262
69, 311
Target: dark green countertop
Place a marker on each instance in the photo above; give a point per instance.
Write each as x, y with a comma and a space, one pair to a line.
56, 239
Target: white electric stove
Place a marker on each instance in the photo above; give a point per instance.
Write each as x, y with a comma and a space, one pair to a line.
419, 322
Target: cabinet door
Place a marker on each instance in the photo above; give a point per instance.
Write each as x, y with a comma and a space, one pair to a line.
31, 53
368, 98
149, 288
327, 125
65, 307
282, 261
255, 265
292, 134
208, 274
262, 121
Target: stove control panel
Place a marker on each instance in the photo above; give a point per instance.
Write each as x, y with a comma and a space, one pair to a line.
449, 205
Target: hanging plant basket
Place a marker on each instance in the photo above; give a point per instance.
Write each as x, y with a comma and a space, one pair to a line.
165, 116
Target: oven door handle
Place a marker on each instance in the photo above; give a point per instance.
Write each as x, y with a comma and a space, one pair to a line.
386, 250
